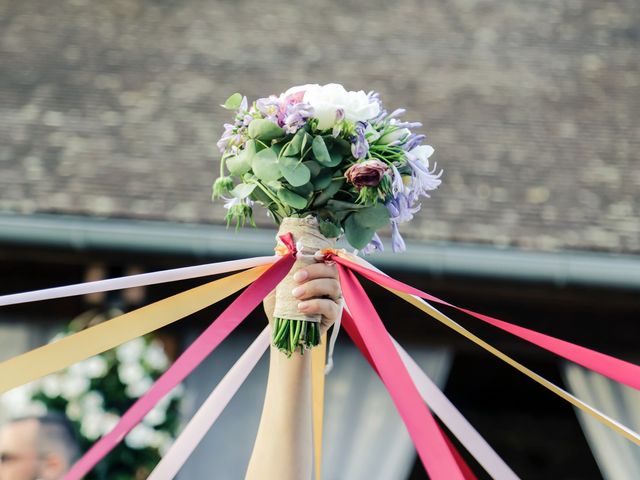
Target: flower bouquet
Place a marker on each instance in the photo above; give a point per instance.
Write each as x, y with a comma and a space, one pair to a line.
325, 162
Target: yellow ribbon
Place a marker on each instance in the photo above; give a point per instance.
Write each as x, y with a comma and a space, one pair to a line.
518, 366
72, 349
318, 358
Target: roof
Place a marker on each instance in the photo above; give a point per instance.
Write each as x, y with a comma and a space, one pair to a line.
111, 108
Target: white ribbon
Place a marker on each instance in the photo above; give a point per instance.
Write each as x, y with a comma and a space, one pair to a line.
140, 280
210, 410
455, 422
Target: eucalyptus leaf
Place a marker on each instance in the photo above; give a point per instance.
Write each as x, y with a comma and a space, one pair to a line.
259, 196
233, 102
357, 235
326, 195
304, 190
294, 147
323, 179
292, 199
241, 163
329, 229
294, 171
338, 205
265, 165
340, 145
264, 130
314, 167
375, 216
321, 152
243, 190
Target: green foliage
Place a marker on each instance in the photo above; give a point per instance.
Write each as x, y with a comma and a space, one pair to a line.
264, 130
265, 165
233, 102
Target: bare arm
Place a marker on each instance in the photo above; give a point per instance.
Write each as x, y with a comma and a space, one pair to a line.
283, 447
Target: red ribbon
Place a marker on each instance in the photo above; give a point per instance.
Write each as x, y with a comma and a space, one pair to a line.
614, 368
347, 323
233, 315
429, 440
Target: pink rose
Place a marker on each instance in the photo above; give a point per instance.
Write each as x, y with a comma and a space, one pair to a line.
366, 174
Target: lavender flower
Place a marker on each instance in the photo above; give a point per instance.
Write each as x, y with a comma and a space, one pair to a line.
413, 141
375, 245
359, 145
397, 242
423, 178
401, 208
296, 116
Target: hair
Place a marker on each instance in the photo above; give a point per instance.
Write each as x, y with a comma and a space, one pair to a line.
56, 435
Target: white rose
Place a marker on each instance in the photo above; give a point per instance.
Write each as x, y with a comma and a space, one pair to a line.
327, 99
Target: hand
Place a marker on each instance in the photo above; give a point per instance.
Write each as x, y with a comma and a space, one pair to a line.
319, 292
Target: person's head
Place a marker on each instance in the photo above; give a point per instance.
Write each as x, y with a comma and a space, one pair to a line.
37, 447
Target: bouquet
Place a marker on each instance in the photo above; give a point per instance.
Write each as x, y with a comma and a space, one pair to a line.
324, 162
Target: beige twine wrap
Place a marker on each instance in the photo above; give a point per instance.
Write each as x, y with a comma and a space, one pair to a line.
308, 239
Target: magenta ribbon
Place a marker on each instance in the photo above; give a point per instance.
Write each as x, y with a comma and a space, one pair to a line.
350, 328
429, 440
232, 316
614, 368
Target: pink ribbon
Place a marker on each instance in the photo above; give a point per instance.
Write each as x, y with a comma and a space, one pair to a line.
429, 440
611, 367
233, 315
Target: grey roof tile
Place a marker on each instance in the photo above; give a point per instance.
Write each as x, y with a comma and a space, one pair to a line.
111, 108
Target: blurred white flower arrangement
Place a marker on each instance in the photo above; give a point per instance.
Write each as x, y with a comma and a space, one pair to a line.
96, 392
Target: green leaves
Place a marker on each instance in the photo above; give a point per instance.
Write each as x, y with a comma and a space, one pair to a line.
264, 130
329, 229
294, 171
243, 190
297, 143
292, 199
265, 165
321, 152
360, 225
241, 163
233, 102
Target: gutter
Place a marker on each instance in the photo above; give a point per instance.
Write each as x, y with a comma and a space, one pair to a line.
564, 268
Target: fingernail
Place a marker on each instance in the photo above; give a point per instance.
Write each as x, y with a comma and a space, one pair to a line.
300, 275
298, 291
302, 306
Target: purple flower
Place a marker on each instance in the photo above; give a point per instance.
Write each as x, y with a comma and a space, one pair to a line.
397, 242
359, 145
375, 245
397, 185
423, 179
401, 208
296, 116
413, 141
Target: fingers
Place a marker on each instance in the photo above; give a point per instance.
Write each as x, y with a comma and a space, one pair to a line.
320, 287
316, 270
325, 307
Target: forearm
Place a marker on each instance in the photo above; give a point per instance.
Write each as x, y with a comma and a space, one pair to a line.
283, 448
